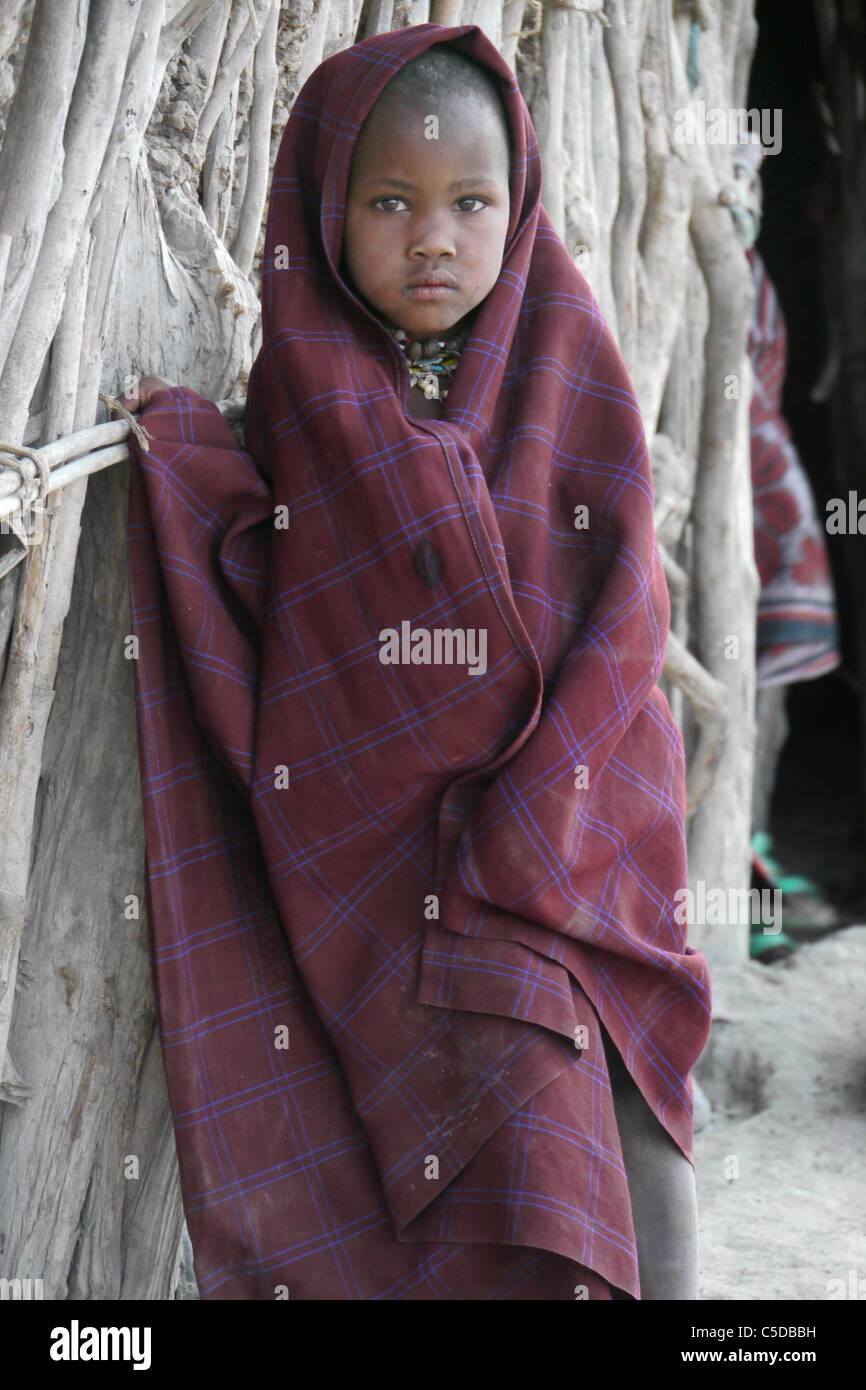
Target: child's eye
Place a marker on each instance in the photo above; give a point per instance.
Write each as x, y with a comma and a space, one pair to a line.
470, 198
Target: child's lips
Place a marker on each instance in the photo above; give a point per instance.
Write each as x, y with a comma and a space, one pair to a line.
431, 284
429, 291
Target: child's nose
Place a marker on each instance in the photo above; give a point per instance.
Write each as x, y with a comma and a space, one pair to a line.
432, 237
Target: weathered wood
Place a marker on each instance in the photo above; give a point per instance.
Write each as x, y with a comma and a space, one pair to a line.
29, 160
724, 575
622, 60
84, 1024
258, 162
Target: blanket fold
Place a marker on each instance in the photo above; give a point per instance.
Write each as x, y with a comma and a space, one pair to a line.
391, 898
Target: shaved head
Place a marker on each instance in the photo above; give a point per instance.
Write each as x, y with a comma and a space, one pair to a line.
440, 77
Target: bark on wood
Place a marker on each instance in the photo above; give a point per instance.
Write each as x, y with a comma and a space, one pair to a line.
31, 159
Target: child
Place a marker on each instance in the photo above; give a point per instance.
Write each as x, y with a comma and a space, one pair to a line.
413, 799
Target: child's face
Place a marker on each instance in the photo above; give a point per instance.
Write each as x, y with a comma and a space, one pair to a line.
449, 212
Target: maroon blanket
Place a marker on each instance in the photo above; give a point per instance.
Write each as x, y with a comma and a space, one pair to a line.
390, 901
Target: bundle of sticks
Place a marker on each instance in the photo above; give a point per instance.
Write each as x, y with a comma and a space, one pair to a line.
28, 476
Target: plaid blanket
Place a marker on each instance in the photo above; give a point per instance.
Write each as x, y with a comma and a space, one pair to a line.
797, 635
389, 901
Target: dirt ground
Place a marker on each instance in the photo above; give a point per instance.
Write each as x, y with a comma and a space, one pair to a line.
780, 1160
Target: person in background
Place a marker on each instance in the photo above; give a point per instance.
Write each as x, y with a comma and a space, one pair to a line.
797, 629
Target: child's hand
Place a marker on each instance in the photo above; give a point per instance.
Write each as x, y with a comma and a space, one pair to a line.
138, 397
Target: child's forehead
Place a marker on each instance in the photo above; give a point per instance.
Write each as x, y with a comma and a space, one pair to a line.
450, 132
405, 108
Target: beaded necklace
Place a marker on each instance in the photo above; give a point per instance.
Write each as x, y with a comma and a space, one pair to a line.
431, 361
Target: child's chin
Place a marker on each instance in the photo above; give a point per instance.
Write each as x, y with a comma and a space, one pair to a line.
434, 321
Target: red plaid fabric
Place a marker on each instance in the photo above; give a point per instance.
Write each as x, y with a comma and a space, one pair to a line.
390, 902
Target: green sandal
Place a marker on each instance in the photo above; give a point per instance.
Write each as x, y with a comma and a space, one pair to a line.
804, 904
760, 946
776, 876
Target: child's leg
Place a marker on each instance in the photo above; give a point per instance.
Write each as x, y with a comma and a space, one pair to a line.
662, 1186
